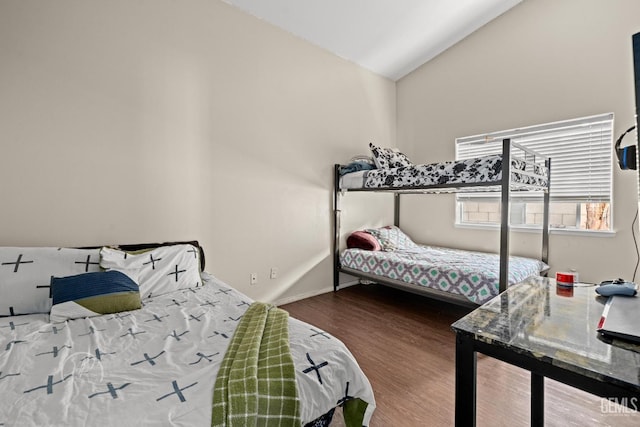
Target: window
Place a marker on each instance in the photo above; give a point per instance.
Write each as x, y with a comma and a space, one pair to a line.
581, 176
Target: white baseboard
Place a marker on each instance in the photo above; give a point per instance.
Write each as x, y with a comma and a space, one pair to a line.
313, 294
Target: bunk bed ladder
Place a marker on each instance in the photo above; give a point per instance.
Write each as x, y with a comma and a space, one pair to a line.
505, 217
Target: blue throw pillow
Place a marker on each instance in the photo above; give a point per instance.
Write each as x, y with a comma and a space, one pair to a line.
93, 294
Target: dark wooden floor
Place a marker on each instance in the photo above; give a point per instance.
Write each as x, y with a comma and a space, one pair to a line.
405, 346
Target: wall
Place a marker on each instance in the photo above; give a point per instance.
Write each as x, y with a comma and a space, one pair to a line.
133, 121
540, 62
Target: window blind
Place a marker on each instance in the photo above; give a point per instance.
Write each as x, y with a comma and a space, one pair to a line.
580, 151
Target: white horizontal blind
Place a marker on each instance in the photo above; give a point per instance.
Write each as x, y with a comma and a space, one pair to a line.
580, 152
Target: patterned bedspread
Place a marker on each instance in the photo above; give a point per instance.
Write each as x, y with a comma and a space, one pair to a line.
474, 275
154, 366
486, 169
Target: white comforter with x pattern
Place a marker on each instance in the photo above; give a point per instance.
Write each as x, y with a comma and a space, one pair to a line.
154, 366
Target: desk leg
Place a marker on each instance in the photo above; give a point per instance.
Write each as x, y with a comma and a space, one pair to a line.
537, 400
465, 382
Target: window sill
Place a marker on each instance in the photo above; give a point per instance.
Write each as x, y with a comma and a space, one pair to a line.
521, 229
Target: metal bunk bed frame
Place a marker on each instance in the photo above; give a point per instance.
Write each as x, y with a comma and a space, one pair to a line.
503, 185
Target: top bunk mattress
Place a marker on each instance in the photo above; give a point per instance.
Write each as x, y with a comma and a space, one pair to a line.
481, 170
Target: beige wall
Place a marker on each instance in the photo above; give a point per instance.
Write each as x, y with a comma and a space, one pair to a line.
132, 121
543, 61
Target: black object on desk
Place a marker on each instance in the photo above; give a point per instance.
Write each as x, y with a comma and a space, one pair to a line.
552, 336
621, 318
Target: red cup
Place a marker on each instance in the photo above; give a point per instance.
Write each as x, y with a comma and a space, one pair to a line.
565, 279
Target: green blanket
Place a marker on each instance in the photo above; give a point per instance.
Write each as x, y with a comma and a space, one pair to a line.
256, 384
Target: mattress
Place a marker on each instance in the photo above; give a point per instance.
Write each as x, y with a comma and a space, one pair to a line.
154, 366
487, 169
474, 275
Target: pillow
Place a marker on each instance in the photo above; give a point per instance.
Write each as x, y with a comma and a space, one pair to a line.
93, 294
363, 240
25, 275
391, 238
139, 247
387, 158
355, 167
363, 159
160, 270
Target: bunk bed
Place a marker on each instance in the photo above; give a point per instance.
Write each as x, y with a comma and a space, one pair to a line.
525, 171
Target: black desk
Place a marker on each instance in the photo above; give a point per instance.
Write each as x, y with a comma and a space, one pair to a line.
533, 326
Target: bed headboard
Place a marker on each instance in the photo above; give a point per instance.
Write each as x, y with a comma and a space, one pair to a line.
142, 246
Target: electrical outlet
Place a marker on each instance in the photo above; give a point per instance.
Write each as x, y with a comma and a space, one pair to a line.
253, 278
274, 272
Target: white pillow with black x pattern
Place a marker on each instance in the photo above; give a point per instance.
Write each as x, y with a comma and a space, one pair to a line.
160, 270
26, 272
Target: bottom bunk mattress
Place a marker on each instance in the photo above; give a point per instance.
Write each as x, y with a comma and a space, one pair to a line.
158, 365
474, 275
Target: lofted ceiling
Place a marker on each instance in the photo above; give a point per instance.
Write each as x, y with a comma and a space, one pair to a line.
389, 37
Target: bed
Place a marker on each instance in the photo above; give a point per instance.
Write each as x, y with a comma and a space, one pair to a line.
77, 358
469, 276
514, 170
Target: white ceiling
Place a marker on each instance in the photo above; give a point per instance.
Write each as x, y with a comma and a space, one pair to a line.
389, 37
